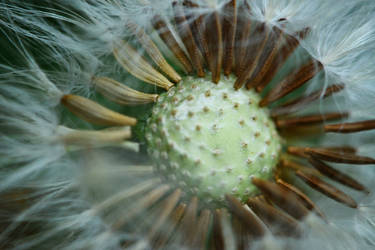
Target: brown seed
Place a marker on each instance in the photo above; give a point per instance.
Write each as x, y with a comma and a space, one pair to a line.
245, 216
337, 175
261, 34
339, 157
276, 220
285, 199
215, 44
242, 36
197, 25
229, 34
170, 227
202, 229
270, 52
165, 211
188, 222
309, 204
94, 113
217, 230
140, 206
186, 35
300, 151
95, 138
350, 127
284, 163
120, 93
137, 65
327, 189
293, 81
289, 46
153, 51
166, 35
300, 103
308, 119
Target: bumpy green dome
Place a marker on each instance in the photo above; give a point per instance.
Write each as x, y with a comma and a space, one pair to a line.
211, 139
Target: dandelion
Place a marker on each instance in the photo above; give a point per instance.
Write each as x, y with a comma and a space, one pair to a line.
188, 124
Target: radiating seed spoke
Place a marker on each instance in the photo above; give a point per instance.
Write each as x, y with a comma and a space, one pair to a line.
184, 31
170, 227
285, 199
300, 151
245, 216
270, 52
215, 44
336, 175
289, 46
136, 65
141, 205
338, 157
165, 211
332, 154
229, 32
243, 30
276, 220
284, 163
327, 189
95, 138
217, 231
350, 127
308, 119
302, 102
202, 228
167, 36
188, 222
153, 51
253, 55
95, 113
309, 204
126, 194
293, 81
197, 26
121, 94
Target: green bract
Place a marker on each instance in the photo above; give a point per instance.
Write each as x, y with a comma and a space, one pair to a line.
210, 140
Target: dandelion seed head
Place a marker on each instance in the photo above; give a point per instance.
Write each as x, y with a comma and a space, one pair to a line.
68, 184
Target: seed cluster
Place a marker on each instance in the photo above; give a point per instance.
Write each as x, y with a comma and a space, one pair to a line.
211, 140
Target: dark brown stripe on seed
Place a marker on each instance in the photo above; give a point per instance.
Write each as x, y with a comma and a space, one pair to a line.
186, 35
215, 44
229, 34
242, 35
265, 61
309, 119
350, 127
166, 35
279, 223
302, 102
245, 216
188, 222
309, 204
202, 229
253, 54
338, 157
336, 175
217, 231
284, 199
290, 45
293, 81
327, 189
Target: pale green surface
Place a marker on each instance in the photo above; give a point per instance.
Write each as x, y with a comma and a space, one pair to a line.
232, 145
